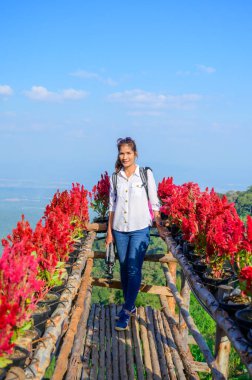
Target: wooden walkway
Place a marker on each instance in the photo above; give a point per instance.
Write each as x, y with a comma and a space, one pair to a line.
145, 351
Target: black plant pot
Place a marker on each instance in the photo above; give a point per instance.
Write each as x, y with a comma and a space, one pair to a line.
51, 300
199, 265
101, 220
40, 317
18, 357
213, 283
59, 288
244, 319
192, 256
249, 337
232, 307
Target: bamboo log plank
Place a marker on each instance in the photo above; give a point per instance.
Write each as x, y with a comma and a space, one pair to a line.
88, 345
200, 367
95, 345
137, 348
146, 346
114, 343
151, 289
167, 352
178, 340
152, 343
222, 343
185, 294
160, 350
101, 373
62, 361
129, 354
173, 348
58, 322
108, 351
155, 258
191, 325
173, 270
122, 351
75, 363
220, 316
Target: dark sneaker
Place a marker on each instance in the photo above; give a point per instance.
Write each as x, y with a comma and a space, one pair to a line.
132, 313
123, 322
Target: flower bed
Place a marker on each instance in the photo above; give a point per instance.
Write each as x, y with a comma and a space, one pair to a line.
33, 262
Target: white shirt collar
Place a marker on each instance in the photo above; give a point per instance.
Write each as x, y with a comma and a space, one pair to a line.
136, 172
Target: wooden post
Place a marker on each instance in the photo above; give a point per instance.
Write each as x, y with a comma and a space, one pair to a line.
222, 343
173, 271
185, 294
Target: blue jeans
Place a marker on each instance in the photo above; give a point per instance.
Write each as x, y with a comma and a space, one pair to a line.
131, 248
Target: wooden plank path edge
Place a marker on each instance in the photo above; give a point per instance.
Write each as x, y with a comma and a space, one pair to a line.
146, 346
58, 323
75, 361
232, 331
88, 345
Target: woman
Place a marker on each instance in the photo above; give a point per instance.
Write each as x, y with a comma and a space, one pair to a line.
129, 223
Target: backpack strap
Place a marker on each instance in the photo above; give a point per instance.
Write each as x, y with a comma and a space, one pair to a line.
144, 178
114, 181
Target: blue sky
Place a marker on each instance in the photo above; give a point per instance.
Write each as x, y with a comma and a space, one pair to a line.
174, 75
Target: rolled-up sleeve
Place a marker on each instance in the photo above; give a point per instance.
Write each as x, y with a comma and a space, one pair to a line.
152, 189
112, 198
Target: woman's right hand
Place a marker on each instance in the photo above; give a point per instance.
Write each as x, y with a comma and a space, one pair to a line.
109, 238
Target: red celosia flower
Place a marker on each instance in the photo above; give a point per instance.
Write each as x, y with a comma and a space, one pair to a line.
100, 196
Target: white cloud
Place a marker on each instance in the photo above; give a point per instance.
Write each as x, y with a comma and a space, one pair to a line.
90, 75
206, 69
142, 99
5, 90
200, 69
41, 93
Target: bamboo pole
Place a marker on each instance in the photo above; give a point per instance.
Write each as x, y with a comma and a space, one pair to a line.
108, 351
155, 258
190, 373
146, 346
75, 363
137, 348
185, 294
129, 354
191, 325
153, 350
114, 343
144, 288
167, 352
222, 343
58, 323
101, 373
173, 270
62, 361
122, 352
173, 348
220, 316
88, 345
95, 345
160, 350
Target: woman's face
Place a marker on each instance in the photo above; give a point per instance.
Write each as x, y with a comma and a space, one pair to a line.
127, 156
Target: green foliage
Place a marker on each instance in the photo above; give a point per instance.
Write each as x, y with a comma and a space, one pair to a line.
242, 201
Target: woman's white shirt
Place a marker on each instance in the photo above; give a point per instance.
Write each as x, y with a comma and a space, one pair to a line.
130, 202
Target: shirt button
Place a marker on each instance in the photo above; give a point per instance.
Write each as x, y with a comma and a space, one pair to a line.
126, 200
126, 191
125, 221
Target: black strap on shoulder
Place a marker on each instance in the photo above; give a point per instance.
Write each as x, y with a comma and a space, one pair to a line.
114, 181
144, 178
